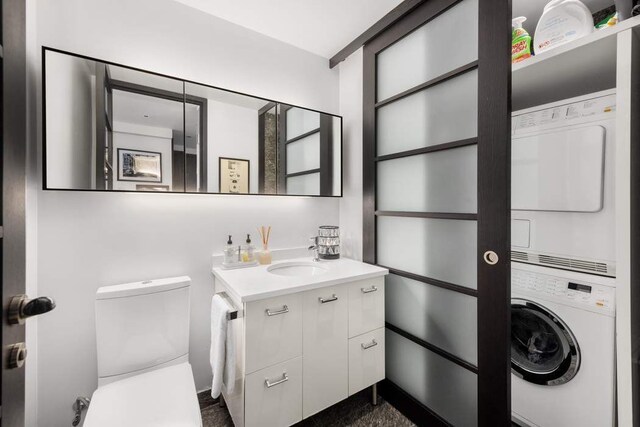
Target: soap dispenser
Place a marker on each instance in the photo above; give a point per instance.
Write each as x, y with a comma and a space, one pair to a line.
229, 252
248, 252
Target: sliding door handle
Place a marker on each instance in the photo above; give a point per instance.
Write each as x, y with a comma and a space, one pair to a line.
491, 258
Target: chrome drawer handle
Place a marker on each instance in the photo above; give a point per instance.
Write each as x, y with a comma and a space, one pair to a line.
284, 379
373, 343
285, 309
368, 290
334, 297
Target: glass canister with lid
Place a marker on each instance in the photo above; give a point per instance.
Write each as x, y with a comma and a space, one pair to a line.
329, 242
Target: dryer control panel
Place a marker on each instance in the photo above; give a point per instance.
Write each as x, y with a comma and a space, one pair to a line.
599, 108
577, 293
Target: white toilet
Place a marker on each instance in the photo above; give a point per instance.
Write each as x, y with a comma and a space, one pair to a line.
144, 375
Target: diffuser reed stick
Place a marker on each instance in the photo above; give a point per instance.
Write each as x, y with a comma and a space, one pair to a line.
264, 257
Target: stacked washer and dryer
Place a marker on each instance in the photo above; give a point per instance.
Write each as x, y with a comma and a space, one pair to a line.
563, 263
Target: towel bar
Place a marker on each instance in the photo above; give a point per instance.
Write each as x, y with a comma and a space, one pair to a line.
233, 313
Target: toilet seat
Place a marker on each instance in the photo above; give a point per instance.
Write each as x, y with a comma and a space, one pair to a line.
164, 397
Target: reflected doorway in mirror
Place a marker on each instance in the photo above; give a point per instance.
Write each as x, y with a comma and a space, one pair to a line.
233, 175
136, 165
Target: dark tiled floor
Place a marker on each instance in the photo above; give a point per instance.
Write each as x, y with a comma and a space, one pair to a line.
354, 411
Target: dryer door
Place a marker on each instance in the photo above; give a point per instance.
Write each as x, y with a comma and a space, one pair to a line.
543, 349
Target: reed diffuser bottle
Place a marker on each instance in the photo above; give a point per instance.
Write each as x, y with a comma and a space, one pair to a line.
264, 256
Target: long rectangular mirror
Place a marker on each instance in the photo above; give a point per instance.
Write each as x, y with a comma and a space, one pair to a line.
109, 127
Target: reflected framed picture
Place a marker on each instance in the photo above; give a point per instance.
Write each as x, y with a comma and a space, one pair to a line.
141, 166
233, 175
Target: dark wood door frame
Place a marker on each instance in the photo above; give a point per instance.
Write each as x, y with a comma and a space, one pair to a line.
14, 137
494, 212
104, 128
184, 98
493, 216
109, 131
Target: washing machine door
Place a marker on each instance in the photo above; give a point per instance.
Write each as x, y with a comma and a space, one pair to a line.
543, 349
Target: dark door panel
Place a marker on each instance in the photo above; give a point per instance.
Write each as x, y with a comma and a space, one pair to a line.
14, 127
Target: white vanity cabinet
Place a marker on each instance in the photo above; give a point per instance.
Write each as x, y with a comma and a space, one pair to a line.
325, 361
273, 331
301, 352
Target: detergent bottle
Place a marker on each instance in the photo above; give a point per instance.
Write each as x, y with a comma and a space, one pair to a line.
562, 21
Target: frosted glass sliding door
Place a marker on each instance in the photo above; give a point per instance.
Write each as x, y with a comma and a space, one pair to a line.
436, 207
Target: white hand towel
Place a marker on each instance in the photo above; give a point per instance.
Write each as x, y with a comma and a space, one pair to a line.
222, 356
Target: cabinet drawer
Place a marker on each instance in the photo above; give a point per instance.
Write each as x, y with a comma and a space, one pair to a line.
325, 348
366, 306
366, 360
273, 331
273, 396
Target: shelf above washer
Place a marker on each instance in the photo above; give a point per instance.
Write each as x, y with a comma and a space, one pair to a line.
583, 66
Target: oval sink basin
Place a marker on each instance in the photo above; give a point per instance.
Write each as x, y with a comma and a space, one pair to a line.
297, 269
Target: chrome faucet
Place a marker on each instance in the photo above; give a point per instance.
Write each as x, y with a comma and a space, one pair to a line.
314, 248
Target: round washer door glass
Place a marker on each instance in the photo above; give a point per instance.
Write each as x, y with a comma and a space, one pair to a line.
543, 348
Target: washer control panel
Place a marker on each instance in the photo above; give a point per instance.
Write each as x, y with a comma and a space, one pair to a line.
577, 293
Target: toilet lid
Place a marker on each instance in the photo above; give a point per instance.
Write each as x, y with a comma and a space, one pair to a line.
164, 397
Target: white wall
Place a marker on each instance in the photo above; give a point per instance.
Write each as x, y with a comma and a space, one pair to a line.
85, 239
176, 40
232, 132
69, 94
351, 111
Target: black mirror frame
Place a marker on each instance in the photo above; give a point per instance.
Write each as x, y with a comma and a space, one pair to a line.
45, 187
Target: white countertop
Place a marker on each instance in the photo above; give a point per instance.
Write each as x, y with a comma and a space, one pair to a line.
256, 283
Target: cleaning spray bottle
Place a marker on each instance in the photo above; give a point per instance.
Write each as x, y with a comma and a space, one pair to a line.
521, 41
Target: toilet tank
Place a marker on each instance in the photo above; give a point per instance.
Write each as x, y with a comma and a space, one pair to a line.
140, 326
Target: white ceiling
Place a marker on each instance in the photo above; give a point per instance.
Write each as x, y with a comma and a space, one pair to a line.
532, 9
322, 27
146, 110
